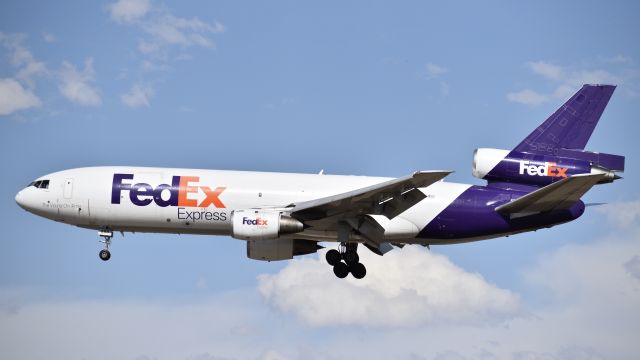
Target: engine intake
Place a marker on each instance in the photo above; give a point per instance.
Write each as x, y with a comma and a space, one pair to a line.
263, 225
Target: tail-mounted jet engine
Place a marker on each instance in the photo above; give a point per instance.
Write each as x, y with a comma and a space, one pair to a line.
496, 165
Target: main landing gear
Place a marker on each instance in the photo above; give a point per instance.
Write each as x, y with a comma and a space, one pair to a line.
107, 235
347, 252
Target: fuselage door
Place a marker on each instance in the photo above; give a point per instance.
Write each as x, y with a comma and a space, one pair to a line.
68, 188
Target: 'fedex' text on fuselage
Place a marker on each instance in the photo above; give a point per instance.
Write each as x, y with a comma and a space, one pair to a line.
142, 194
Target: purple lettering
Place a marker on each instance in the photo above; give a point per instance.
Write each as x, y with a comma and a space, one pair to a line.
173, 193
117, 186
138, 190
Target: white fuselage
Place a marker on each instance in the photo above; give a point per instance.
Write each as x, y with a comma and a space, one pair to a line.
106, 197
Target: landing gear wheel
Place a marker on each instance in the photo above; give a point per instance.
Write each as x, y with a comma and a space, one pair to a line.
351, 257
333, 257
358, 270
104, 255
341, 270
106, 236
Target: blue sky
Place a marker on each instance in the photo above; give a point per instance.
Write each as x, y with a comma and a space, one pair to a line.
366, 88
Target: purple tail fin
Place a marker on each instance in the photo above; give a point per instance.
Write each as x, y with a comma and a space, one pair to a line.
571, 125
555, 150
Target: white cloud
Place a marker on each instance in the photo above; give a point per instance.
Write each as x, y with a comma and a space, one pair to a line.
139, 95
125, 11
444, 88
581, 77
126, 329
589, 275
163, 29
581, 303
621, 214
271, 355
22, 59
618, 59
167, 30
31, 69
164, 39
75, 85
546, 69
633, 266
433, 70
568, 80
527, 96
14, 97
408, 287
48, 37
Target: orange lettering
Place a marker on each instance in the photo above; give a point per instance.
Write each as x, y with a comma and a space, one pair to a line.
562, 172
550, 168
213, 197
185, 189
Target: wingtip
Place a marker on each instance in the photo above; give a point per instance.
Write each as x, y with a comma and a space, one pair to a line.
594, 204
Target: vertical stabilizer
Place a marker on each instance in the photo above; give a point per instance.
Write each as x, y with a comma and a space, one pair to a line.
571, 126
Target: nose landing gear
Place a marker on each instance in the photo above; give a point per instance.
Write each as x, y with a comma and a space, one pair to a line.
105, 254
347, 252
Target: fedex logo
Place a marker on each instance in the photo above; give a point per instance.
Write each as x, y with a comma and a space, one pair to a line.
548, 169
180, 192
257, 221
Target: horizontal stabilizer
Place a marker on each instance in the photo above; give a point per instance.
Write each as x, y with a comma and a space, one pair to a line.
607, 161
557, 196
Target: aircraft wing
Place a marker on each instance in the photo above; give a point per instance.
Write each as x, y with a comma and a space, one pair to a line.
557, 196
389, 198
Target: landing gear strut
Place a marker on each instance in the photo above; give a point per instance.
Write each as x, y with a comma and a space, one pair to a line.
347, 252
105, 254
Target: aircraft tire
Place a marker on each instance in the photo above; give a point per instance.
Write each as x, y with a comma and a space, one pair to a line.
333, 257
351, 257
358, 270
341, 270
104, 255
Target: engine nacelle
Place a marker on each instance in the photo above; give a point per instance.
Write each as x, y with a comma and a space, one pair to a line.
533, 169
262, 224
280, 249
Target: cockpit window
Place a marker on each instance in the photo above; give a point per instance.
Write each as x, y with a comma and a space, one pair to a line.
40, 184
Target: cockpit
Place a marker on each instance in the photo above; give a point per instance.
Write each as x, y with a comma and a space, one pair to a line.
40, 184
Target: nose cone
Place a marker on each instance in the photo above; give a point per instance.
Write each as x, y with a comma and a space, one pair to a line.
25, 200
20, 199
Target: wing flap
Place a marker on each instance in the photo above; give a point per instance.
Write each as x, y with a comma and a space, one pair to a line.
557, 196
398, 193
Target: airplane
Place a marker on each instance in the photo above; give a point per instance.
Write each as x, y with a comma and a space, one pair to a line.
538, 184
